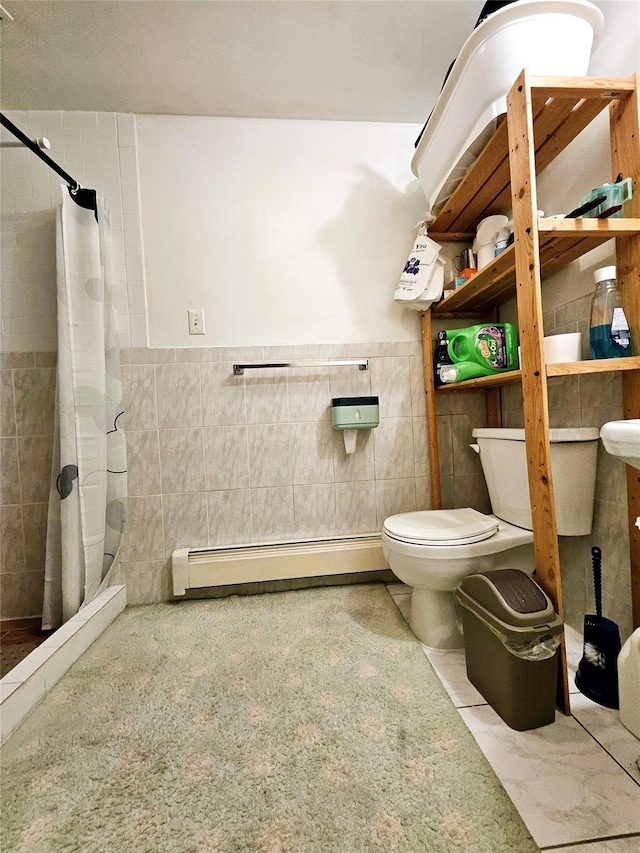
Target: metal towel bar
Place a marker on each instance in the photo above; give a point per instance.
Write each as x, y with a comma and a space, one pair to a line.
361, 363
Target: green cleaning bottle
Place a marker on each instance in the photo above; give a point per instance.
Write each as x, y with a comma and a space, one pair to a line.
491, 346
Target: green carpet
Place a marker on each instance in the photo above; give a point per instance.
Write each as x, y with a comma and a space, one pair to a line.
297, 722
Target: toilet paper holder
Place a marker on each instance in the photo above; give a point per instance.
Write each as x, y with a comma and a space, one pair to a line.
350, 414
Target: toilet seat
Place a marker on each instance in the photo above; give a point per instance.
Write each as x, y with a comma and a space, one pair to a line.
441, 527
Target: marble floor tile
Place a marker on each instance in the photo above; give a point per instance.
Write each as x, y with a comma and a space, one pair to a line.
565, 787
604, 725
403, 603
451, 669
397, 588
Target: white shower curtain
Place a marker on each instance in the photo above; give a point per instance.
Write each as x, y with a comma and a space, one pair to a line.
88, 496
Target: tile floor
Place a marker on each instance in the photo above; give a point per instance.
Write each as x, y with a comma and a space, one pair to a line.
17, 641
576, 783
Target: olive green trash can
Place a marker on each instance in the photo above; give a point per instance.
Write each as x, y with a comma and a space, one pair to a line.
511, 639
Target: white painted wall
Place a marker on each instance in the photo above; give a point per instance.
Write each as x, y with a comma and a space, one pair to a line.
285, 232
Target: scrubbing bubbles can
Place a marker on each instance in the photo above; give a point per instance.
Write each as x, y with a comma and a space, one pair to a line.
481, 350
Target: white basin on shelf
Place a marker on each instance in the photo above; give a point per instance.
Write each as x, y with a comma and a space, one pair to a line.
622, 439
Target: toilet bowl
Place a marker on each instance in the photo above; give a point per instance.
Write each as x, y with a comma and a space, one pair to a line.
434, 550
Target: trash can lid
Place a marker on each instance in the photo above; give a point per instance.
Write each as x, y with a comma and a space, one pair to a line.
509, 599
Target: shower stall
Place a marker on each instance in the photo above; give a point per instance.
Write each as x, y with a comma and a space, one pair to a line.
63, 442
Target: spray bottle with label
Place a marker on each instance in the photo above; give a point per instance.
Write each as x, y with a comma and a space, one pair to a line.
480, 350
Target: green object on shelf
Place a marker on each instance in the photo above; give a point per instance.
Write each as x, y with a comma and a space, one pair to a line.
492, 345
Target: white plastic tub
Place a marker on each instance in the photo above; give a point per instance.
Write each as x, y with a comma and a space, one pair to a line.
548, 37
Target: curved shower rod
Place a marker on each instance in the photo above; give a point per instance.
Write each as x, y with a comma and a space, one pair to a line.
83, 197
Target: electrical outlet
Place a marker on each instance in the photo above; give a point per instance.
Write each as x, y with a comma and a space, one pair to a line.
196, 321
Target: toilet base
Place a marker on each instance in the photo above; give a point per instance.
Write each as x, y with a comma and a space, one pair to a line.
434, 620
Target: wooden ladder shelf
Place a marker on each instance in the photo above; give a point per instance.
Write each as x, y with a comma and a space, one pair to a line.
544, 114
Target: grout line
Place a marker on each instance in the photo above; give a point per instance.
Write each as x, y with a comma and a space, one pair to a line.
578, 844
602, 746
204, 453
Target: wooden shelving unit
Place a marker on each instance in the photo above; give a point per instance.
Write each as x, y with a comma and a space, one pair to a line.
544, 114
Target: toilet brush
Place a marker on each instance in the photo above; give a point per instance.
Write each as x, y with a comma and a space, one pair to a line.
597, 675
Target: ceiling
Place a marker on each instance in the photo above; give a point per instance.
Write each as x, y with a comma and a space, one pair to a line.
365, 60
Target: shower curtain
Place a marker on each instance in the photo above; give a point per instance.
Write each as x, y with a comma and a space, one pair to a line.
88, 495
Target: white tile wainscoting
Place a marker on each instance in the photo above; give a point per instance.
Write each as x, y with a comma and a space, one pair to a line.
576, 783
219, 460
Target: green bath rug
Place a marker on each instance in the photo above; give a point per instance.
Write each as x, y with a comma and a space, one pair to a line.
307, 721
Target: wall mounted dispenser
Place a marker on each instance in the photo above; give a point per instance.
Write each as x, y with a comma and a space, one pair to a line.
351, 414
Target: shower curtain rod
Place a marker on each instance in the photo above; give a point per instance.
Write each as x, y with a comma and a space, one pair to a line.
84, 197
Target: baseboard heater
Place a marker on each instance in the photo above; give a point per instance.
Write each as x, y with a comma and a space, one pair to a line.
195, 568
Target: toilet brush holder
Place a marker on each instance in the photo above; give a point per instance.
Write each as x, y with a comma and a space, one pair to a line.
597, 674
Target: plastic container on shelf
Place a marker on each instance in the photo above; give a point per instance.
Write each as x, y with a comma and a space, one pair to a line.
609, 335
615, 196
480, 350
492, 345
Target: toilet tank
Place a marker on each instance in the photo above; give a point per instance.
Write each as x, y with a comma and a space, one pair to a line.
573, 470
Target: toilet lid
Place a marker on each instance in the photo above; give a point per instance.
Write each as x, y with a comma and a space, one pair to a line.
441, 527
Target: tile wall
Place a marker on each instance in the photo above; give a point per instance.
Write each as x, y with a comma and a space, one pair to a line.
26, 440
217, 459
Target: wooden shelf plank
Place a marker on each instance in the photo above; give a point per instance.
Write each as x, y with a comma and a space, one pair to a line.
590, 227
481, 287
600, 365
561, 241
567, 368
509, 377
605, 88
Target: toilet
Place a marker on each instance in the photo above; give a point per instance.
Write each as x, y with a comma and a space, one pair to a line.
434, 550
